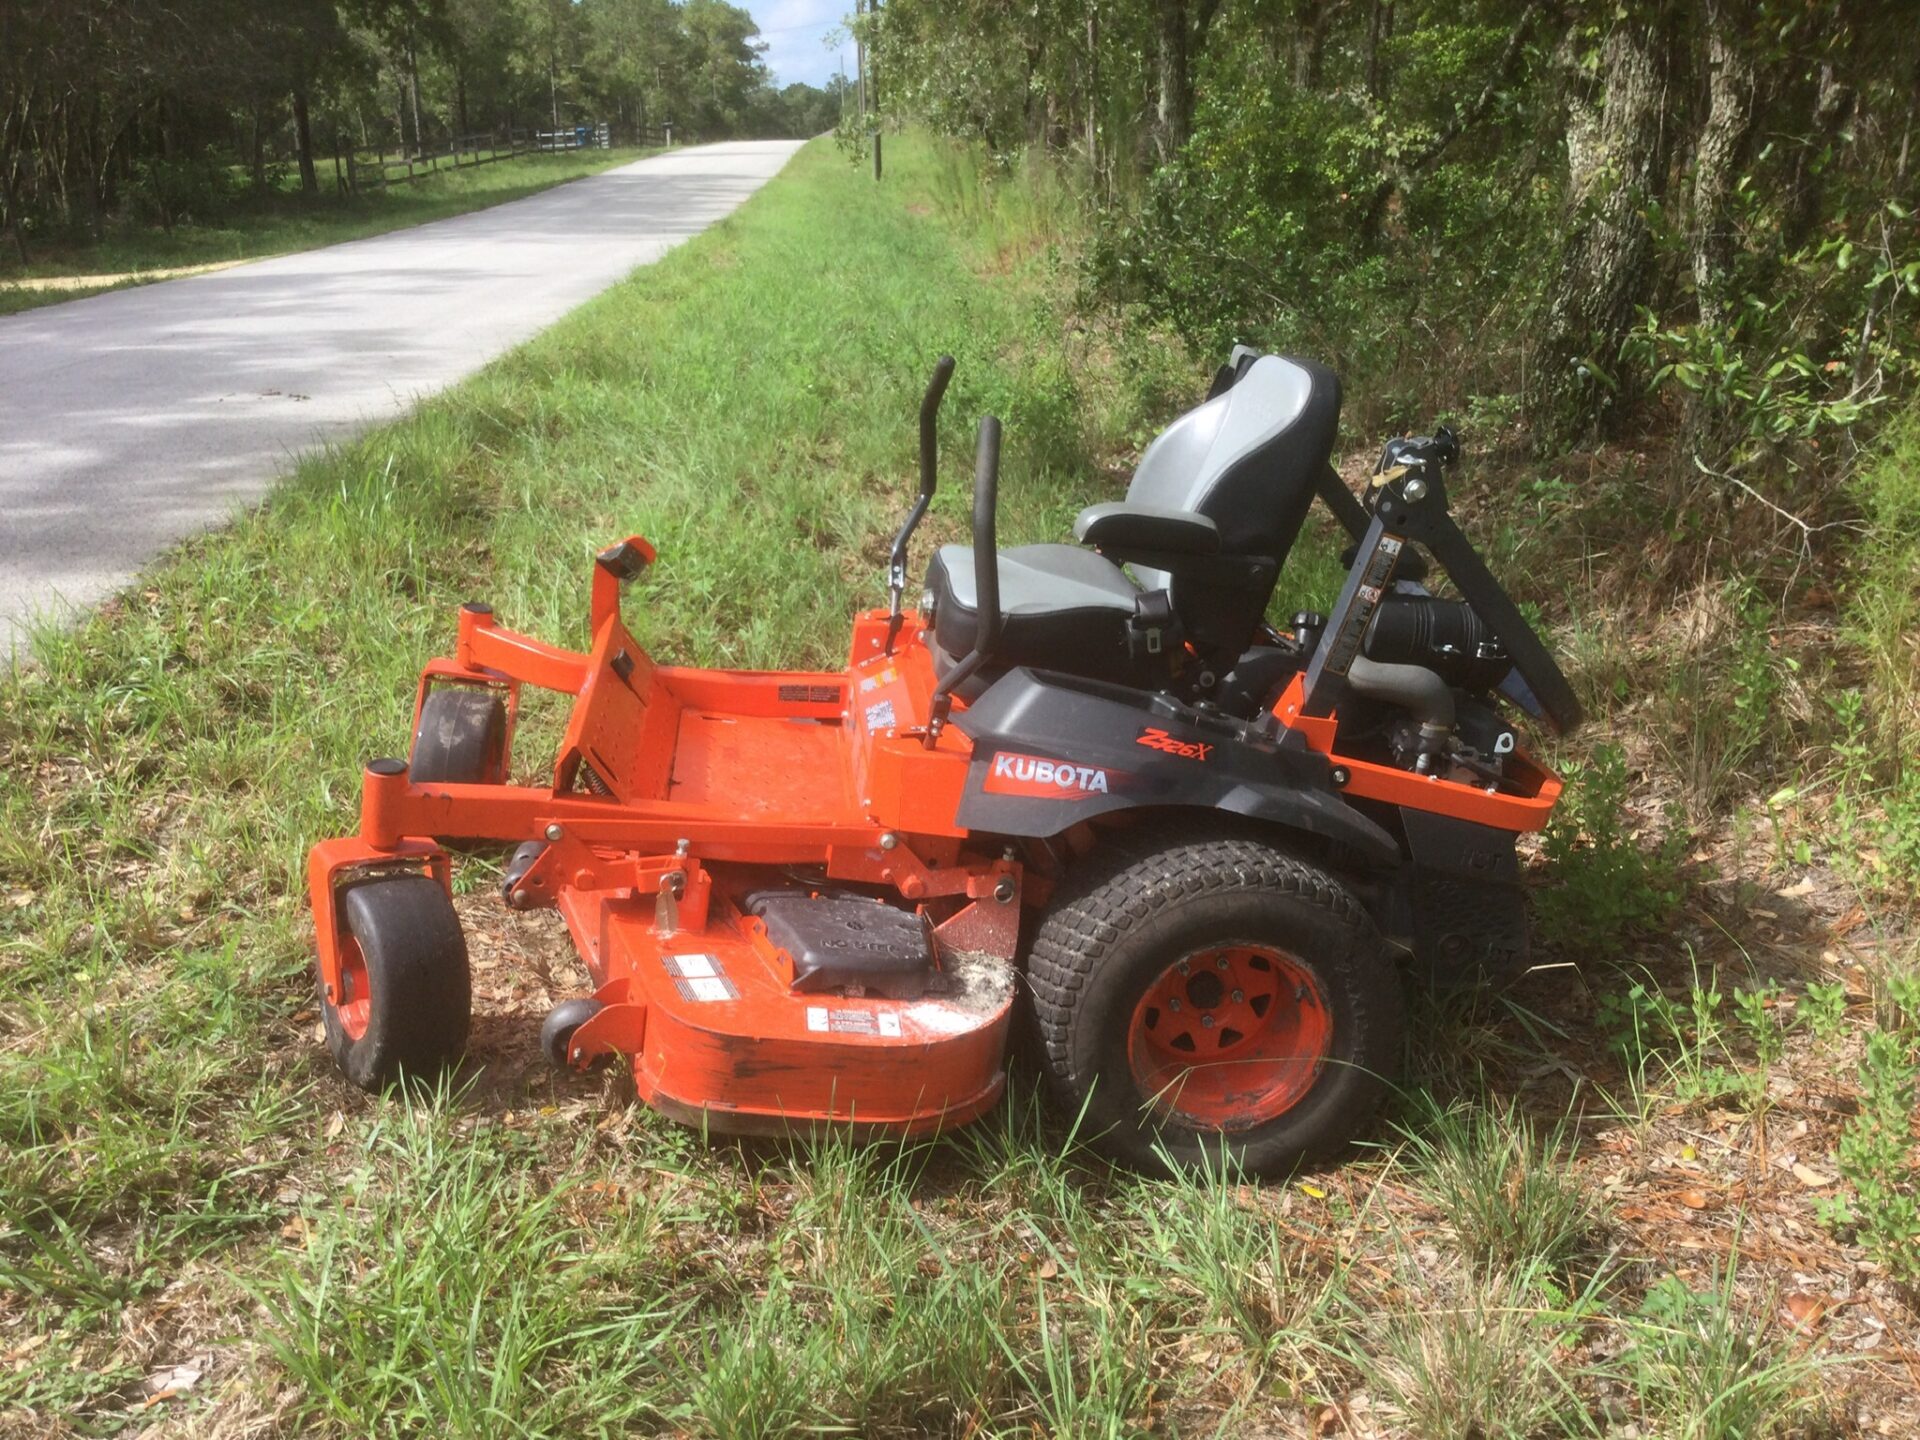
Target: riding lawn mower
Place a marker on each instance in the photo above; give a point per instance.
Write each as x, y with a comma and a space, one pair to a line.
1086, 790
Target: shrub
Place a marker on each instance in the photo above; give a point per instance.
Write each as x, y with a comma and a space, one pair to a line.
1605, 881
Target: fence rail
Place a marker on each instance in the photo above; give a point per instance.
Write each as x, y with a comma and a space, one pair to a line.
465, 151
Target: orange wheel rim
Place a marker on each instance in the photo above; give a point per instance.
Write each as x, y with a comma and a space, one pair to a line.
1229, 1038
355, 1002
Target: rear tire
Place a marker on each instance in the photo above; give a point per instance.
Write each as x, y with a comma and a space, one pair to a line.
1302, 1008
461, 738
406, 993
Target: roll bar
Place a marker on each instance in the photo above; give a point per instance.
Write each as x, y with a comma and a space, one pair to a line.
929, 460
986, 577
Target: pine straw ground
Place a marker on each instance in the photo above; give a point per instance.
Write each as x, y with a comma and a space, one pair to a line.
1583, 1216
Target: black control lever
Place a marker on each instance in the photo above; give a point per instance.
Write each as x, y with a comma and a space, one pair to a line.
986, 579
929, 458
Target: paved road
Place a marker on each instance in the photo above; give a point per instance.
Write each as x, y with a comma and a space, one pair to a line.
135, 418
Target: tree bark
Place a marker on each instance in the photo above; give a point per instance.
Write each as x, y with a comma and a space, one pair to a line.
1093, 89
303, 142
1615, 161
1718, 155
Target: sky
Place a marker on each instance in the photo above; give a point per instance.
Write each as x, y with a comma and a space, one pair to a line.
795, 32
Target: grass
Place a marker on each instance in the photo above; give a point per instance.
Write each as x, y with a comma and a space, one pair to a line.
252, 228
189, 1183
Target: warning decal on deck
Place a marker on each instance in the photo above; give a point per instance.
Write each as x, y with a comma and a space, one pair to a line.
699, 977
852, 1022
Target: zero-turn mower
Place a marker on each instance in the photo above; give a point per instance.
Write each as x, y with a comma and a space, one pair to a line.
1206, 848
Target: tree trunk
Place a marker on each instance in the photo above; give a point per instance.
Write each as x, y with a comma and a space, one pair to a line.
1719, 154
10, 183
1093, 89
413, 89
1832, 107
1309, 42
1379, 31
258, 151
303, 142
1174, 113
1615, 160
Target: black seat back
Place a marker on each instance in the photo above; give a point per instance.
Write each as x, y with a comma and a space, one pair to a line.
1248, 459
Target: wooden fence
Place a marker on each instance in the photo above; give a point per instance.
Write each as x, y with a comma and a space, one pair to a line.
380, 169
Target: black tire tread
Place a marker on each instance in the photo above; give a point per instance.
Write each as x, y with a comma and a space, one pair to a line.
460, 739
1136, 875
1106, 895
418, 973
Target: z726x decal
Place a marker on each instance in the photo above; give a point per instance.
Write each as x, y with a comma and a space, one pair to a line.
1155, 738
1043, 779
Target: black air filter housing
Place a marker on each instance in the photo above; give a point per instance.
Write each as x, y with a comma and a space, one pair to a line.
1444, 636
841, 942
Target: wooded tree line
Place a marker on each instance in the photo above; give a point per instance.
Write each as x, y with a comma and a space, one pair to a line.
1573, 199
109, 105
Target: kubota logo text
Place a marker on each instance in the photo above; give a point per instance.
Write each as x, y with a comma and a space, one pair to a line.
1046, 779
1155, 739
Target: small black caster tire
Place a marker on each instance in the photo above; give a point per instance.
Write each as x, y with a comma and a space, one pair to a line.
1213, 999
406, 998
560, 1026
461, 738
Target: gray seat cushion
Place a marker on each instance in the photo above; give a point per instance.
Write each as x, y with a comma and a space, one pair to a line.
1062, 608
1035, 578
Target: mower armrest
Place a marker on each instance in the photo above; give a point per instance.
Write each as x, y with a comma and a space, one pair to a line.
1119, 527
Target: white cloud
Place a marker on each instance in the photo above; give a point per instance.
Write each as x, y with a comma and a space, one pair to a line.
795, 32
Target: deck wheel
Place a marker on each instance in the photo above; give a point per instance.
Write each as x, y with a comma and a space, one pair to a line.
1214, 998
405, 998
562, 1023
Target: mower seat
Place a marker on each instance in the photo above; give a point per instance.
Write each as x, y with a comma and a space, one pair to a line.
1212, 511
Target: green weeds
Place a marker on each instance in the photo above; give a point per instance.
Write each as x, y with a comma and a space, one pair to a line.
1511, 1195
1880, 1158
1606, 881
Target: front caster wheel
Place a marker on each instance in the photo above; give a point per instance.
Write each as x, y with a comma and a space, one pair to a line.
556, 1034
1213, 999
406, 997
